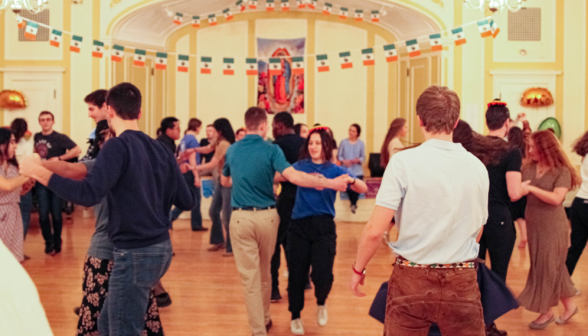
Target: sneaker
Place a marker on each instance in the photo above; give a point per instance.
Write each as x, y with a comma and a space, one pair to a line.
491, 330
275, 296
216, 247
297, 327
163, 300
353, 208
322, 316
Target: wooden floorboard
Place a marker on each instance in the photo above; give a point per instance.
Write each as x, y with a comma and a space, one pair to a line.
207, 294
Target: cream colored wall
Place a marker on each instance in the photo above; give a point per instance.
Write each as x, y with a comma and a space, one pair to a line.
381, 101
219, 95
182, 88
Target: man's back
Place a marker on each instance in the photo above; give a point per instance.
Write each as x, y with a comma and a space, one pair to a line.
142, 180
441, 194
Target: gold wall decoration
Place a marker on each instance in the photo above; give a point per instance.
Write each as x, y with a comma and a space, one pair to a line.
12, 100
438, 2
537, 97
116, 2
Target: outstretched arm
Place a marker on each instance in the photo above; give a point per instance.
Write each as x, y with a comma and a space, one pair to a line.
74, 171
309, 181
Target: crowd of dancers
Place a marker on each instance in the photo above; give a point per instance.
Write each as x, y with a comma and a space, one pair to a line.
449, 214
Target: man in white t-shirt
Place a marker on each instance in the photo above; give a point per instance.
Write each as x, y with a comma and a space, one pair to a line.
439, 194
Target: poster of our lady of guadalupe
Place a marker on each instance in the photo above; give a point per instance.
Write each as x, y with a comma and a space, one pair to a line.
281, 75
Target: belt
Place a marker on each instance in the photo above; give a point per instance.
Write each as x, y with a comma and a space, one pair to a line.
466, 264
254, 208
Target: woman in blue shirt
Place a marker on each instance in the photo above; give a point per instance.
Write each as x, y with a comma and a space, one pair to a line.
352, 155
312, 235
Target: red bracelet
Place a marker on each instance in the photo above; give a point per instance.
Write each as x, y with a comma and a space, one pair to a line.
356, 272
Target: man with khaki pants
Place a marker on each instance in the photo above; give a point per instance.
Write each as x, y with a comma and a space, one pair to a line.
250, 167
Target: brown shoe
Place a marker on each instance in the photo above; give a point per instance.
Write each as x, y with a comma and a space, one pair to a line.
216, 247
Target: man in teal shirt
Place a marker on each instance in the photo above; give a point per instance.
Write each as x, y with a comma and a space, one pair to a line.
250, 167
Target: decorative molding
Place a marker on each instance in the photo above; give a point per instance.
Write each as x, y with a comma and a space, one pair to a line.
116, 2
32, 69
525, 72
438, 2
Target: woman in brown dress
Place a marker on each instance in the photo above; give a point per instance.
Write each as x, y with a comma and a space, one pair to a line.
552, 176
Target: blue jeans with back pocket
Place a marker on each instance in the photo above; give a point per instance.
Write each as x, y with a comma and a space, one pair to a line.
134, 273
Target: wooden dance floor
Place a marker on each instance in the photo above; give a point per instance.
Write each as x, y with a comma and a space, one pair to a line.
208, 298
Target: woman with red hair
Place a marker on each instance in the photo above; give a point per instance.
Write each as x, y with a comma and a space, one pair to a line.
552, 176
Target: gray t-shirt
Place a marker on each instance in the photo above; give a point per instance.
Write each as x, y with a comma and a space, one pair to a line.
100, 246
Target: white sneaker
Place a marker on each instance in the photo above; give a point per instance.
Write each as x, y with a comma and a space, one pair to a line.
297, 327
322, 316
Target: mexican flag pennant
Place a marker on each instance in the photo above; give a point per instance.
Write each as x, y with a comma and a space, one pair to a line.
212, 20
178, 18
206, 65
196, 21
117, 53
327, 9
412, 46
139, 58
495, 29
76, 44
298, 65
228, 66
275, 67
359, 15
312, 4
484, 28
343, 13
97, 49
458, 36
368, 56
253, 4
242, 5
285, 5
21, 23
31, 31
251, 65
436, 42
391, 53
55, 38
160, 61
322, 63
301, 4
345, 58
228, 15
183, 63
270, 5
375, 16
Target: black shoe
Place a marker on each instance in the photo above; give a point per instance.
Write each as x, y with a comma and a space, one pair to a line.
48, 248
201, 229
268, 326
491, 330
163, 300
275, 296
77, 311
57, 248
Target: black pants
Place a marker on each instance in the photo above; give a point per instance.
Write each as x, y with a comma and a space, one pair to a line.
353, 196
579, 237
311, 241
498, 239
284, 206
50, 203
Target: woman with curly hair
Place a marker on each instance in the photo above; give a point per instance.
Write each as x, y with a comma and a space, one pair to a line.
552, 176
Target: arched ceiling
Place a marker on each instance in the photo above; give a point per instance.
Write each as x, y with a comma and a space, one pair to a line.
150, 25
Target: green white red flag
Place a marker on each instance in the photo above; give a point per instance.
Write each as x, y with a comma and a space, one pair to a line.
344, 13
359, 15
228, 66
412, 46
251, 66
228, 15
368, 56
484, 28
345, 58
495, 29
327, 9
117, 53
301, 4
298, 65
76, 44
161, 61
436, 42
212, 20
270, 6
458, 36
183, 63
205, 65
56, 38
139, 58
21, 23
196, 21
312, 4
97, 49
275, 66
242, 5
285, 5
391, 53
31, 31
375, 16
253, 4
178, 18
322, 63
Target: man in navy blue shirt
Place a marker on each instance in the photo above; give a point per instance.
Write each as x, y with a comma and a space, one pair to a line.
141, 180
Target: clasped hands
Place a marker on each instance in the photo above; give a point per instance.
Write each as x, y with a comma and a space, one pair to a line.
28, 165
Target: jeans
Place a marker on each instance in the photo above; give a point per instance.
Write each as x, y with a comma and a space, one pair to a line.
418, 297
50, 202
311, 241
498, 239
196, 217
221, 201
134, 274
579, 236
353, 196
26, 204
285, 205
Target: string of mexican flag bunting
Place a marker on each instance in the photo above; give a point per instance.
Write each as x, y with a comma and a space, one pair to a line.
487, 27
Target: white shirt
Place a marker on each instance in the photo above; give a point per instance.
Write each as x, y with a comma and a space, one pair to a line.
440, 192
583, 192
21, 312
24, 147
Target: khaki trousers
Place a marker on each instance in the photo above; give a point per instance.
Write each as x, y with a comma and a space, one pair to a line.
253, 235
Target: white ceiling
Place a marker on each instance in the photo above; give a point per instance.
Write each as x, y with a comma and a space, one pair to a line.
150, 25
